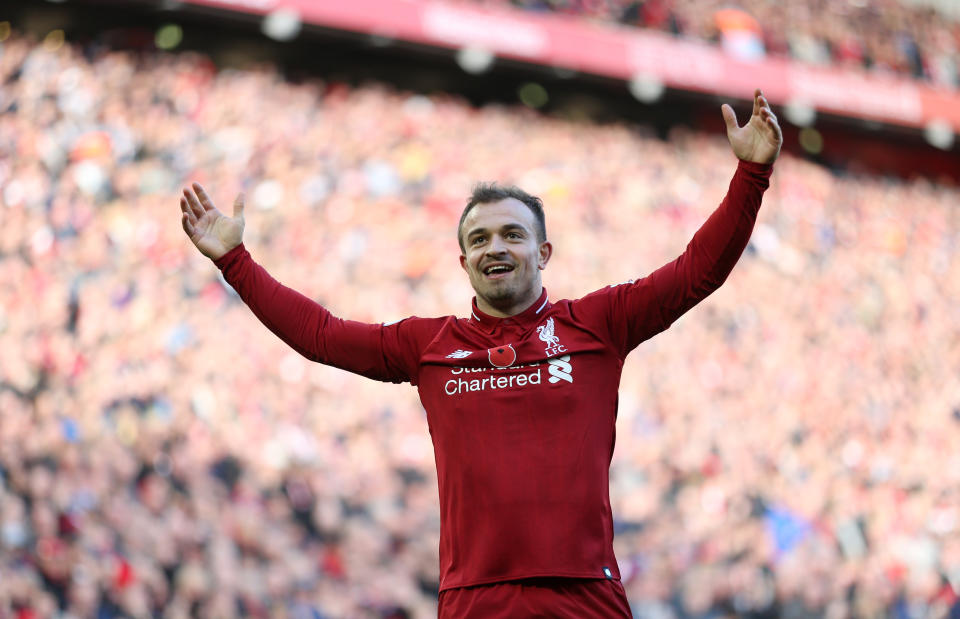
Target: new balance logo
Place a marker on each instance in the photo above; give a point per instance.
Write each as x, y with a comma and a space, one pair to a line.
560, 369
460, 354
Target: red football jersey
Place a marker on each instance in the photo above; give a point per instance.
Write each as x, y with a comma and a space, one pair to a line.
521, 410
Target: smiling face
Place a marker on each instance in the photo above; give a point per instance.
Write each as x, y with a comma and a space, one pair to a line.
503, 256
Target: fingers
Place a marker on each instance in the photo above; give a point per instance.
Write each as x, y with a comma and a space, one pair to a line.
193, 204
770, 119
765, 111
187, 211
729, 117
761, 108
187, 225
238, 205
187, 219
205, 200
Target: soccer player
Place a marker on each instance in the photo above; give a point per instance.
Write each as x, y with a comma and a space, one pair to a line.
521, 397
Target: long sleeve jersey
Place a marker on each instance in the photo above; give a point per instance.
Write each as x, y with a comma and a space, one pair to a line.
521, 410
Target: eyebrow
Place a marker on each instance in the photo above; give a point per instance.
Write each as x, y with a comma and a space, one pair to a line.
503, 228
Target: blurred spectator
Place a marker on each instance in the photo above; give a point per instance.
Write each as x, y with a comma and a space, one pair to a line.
890, 35
740, 34
789, 451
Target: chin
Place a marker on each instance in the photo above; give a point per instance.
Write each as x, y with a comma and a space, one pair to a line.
505, 297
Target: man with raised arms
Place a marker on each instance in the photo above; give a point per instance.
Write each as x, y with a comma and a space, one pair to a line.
521, 396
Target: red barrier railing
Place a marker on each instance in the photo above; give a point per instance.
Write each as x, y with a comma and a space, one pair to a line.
622, 52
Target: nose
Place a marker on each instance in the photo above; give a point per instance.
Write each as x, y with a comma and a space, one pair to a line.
496, 246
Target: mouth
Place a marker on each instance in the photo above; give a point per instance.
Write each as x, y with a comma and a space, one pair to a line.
497, 271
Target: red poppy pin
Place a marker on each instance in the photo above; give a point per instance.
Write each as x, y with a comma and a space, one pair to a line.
502, 356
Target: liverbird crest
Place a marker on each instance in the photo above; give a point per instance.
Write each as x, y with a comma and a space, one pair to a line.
545, 332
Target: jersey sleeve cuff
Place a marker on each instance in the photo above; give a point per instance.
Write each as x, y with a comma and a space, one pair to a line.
754, 169
226, 260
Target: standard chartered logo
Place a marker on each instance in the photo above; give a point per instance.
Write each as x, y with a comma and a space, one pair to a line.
464, 385
560, 369
493, 379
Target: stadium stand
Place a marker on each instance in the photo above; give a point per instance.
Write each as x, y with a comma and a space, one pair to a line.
890, 35
787, 449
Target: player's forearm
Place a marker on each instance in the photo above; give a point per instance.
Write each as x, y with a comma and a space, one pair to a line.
720, 241
718, 244
305, 325
290, 315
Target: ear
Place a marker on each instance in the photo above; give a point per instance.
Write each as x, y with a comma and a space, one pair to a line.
544, 252
463, 262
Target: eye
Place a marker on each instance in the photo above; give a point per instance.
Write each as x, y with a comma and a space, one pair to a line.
514, 235
477, 240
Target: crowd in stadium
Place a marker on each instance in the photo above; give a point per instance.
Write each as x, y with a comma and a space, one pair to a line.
786, 449
892, 36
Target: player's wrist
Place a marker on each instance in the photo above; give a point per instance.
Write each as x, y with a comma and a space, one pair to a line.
228, 257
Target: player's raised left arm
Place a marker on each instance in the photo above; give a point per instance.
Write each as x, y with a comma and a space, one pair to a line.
760, 139
643, 308
717, 245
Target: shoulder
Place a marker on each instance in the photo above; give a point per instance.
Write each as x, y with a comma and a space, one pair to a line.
600, 298
617, 295
416, 324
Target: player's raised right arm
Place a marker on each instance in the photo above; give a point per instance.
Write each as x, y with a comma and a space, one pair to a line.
302, 323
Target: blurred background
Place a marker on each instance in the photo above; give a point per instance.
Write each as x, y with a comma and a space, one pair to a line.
787, 449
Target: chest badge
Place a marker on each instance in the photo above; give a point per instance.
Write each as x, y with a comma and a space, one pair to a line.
502, 356
546, 334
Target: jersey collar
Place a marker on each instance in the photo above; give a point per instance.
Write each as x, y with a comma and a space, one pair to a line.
528, 316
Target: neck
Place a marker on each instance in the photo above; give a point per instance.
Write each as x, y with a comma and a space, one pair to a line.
508, 308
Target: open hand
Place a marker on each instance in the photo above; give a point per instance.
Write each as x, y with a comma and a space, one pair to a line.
760, 139
211, 231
